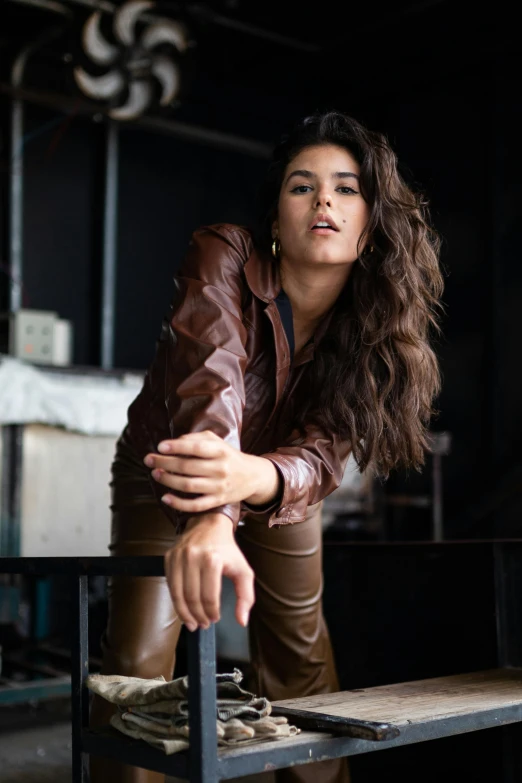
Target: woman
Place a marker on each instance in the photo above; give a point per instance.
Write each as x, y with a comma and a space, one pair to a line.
281, 355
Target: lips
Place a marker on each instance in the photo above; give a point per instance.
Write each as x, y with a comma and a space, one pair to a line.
321, 219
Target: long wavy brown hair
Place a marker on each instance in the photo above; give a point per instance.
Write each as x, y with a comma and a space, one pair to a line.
374, 376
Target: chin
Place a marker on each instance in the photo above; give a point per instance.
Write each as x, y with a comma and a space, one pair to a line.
313, 253
325, 257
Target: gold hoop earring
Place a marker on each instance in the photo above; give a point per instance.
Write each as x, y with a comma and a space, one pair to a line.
276, 248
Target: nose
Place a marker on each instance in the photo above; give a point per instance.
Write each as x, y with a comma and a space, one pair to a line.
323, 198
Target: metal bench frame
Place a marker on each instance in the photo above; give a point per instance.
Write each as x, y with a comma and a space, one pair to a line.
202, 763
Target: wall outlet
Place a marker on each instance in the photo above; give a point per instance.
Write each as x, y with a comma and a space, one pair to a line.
31, 335
37, 336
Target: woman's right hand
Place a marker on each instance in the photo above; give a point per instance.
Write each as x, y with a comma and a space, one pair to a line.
205, 552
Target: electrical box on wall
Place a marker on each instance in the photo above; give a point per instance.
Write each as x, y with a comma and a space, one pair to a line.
38, 336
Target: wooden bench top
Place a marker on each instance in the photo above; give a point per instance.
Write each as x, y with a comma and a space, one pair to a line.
422, 700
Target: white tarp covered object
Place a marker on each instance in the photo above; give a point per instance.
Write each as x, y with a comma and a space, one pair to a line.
88, 404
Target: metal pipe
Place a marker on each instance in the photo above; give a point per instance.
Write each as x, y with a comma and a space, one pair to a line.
206, 14
110, 242
16, 198
16, 173
47, 5
182, 130
16, 184
201, 135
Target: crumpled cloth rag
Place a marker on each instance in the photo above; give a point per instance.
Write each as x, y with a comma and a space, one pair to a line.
156, 710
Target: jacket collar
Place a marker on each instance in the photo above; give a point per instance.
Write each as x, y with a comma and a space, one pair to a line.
262, 274
264, 280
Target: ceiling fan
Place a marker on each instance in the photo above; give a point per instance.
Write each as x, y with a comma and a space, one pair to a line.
136, 64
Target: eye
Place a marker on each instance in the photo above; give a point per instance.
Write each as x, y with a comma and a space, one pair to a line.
347, 189
301, 189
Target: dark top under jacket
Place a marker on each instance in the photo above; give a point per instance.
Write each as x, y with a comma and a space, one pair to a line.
284, 306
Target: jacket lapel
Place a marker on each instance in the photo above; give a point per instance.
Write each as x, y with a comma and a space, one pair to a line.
262, 275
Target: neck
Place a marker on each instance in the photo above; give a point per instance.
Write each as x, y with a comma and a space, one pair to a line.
312, 292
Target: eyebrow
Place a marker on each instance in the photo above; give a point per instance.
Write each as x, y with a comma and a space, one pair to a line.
310, 174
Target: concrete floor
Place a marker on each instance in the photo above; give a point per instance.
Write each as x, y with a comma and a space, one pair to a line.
40, 754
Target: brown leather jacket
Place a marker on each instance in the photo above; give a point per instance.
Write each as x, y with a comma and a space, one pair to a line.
223, 363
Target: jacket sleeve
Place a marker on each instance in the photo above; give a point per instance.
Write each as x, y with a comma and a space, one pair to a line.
196, 381
311, 466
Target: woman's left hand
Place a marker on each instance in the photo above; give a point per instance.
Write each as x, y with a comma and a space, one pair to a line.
203, 463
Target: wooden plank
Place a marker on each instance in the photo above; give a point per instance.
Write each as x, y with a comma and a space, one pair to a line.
420, 701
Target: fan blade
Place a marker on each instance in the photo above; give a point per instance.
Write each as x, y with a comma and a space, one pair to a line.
167, 73
125, 18
165, 32
140, 95
95, 45
99, 87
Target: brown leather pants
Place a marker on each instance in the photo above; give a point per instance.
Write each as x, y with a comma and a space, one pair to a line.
289, 642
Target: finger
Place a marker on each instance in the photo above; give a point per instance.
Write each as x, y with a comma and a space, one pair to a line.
243, 580
194, 484
198, 447
192, 585
196, 505
189, 466
174, 574
211, 578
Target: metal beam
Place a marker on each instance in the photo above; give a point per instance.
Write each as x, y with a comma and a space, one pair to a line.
194, 133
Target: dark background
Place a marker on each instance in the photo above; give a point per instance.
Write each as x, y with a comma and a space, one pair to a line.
441, 79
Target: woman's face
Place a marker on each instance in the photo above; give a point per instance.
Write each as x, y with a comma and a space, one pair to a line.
321, 185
